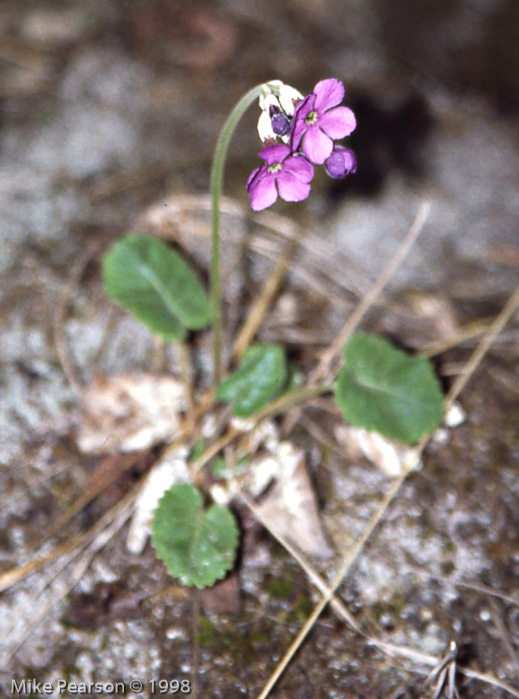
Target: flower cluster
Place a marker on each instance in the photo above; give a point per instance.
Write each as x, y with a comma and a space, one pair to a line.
296, 132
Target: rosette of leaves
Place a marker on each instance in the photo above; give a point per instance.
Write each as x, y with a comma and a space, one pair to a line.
262, 375
197, 545
383, 389
157, 285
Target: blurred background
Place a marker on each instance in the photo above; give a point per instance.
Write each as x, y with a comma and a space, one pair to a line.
108, 106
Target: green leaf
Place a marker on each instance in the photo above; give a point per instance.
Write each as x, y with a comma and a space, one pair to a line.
383, 389
197, 546
154, 282
262, 376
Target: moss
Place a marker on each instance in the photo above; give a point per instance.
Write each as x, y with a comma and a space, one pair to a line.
206, 631
280, 588
304, 607
448, 548
448, 567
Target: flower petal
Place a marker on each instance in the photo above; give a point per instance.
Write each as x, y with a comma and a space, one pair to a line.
304, 108
328, 93
264, 194
289, 98
299, 167
291, 188
255, 176
298, 130
265, 130
299, 125
338, 122
317, 146
274, 154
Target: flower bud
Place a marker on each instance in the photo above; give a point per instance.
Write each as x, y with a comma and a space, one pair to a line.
341, 162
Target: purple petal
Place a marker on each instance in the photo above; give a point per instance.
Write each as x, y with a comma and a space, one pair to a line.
274, 154
341, 162
291, 188
299, 126
255, 175
299, 167
328, 93
298, 130
317, 146
304, 108
338, 122
264, 194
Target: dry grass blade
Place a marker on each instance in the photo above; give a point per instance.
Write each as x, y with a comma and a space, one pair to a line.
488, 679
511, 306
267, 294
500, 626
312, 574
347, 563
11, 577
324, 369
15, 575
475, 587
390, 649
431, 660
61, 312
464, 334
94, 540
477, 356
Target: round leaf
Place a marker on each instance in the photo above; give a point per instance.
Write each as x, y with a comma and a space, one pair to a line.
198, 547
383, 389
154, 282
262, 376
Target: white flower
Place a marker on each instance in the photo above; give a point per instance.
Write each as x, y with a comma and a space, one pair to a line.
288, 97
277, 103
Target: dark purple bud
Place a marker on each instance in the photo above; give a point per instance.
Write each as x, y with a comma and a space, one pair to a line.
341, 162
280, 124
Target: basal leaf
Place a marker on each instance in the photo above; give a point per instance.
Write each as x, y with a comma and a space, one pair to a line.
154, 282
261, 377
197, 546
383, 389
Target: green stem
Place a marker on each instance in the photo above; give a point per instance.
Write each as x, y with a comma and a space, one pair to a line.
292, 398
220, 156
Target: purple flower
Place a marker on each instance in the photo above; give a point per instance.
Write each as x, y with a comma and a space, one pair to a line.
284, 174
318, 121
341, 162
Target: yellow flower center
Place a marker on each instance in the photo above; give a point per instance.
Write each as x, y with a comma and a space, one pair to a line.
311, 118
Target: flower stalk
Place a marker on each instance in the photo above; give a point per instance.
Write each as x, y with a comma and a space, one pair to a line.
296, 132
219, 159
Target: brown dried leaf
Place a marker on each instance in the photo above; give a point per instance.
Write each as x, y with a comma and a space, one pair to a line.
129, 412
290, 506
